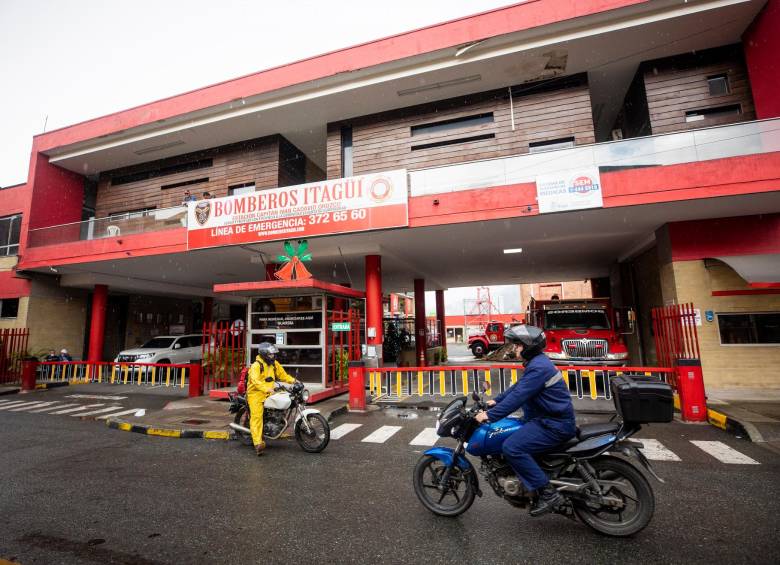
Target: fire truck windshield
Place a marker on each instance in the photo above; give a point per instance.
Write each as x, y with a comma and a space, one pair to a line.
576, 320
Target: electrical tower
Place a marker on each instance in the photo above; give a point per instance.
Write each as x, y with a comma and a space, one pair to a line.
477, 313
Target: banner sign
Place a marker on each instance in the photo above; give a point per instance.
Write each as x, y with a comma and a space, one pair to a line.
576, 190
361, 203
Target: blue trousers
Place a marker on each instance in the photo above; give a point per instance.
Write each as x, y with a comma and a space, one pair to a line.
537, 436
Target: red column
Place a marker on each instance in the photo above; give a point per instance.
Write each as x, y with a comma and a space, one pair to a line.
270, 269
97, 325
419, 320
440, 318
374, 302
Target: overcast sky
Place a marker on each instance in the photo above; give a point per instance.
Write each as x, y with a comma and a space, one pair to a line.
66, 61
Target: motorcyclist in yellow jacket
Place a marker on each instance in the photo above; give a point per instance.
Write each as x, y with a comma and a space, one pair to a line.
263, 374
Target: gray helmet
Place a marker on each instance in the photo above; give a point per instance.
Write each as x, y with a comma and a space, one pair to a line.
267, 352
531, 338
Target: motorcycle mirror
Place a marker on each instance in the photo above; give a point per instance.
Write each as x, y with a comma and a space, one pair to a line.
475, 396
484, 386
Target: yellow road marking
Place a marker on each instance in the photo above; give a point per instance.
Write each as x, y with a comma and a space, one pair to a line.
717, 419
163, 433
216, 435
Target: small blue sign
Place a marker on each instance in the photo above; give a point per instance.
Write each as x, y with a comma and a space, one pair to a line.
709, 315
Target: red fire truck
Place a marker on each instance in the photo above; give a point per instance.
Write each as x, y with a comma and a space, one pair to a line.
580, 332
493, 338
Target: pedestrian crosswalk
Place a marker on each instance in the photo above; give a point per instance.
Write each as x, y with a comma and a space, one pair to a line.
652, 449
97, 411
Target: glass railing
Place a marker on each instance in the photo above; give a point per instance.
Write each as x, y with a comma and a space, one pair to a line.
747, 138
116, 226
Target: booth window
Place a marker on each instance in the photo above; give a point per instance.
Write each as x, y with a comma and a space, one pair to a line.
9, 234
9, 308
346, 151
761, 328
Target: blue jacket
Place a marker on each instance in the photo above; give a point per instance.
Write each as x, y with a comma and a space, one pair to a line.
531, 394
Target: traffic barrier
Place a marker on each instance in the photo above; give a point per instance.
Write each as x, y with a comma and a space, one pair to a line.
394, 383
149, 374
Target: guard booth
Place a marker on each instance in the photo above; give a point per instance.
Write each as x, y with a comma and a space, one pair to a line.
317, 326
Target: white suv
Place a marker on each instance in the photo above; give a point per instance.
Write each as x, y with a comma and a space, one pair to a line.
164, 349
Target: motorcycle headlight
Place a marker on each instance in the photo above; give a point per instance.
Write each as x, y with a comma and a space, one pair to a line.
305, 395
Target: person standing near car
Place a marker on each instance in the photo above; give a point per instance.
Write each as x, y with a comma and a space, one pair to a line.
263, 374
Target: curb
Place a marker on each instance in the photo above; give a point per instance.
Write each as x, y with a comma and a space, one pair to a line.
51, 385
734, 426
11, 391
167, 432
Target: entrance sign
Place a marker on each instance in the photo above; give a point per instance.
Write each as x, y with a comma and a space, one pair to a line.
340, 326
574, 190
360, 203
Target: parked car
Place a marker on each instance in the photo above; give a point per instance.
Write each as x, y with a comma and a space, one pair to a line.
164, 349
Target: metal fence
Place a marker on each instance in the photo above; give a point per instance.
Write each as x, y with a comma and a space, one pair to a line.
394, 383
13, 345
149, 374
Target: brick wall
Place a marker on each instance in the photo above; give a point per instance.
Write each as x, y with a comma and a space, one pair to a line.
57, 318
724, 366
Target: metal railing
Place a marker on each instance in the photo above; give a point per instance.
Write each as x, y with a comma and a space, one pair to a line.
150, 374
745, 138
117, 226
395, 383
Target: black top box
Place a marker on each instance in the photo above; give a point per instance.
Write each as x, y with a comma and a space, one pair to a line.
642, 399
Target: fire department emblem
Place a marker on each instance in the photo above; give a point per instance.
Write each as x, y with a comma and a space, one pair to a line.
381, 189
202, 212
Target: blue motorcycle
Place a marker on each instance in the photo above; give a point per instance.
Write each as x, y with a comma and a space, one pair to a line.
596, 471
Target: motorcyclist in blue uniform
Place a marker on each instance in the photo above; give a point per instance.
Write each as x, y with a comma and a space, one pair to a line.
548, 414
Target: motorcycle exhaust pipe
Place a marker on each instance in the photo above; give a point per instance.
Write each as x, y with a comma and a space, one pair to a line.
240, 428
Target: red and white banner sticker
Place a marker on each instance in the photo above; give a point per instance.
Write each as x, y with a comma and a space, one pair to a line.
366, 202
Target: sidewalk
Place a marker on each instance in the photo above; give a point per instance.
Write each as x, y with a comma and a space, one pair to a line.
201, 417
756, 410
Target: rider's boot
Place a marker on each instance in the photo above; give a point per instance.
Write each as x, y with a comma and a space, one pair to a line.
548, 500
259, 449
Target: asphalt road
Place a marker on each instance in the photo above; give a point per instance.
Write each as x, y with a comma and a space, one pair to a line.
75, 491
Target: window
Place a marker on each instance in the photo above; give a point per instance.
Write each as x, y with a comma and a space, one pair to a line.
185, 183
164, 171
719, 85
9, 307
749, 329
10, 226
237, 189
717, 112
130, 214
551, 145
453, 124
346, 151
453, 141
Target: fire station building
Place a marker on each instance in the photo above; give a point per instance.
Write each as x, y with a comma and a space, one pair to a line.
631, 142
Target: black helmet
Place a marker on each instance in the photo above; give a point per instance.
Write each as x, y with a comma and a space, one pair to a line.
267, 352
530, 337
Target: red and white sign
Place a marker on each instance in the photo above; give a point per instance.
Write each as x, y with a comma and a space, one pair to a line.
366, 202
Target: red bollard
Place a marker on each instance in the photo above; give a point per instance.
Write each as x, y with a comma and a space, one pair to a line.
690, 387
196, 379
357, 386
29, 370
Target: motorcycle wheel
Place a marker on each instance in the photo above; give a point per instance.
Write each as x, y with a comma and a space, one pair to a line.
454, 500
318, 436
634, 490
242, 419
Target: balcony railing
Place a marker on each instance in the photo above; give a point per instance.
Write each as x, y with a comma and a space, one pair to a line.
747, 138
99, 228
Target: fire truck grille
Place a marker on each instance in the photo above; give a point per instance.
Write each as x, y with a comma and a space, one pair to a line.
587, 348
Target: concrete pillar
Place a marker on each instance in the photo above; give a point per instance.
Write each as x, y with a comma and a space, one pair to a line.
441, 319
97, 326
419, 320
374, 326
